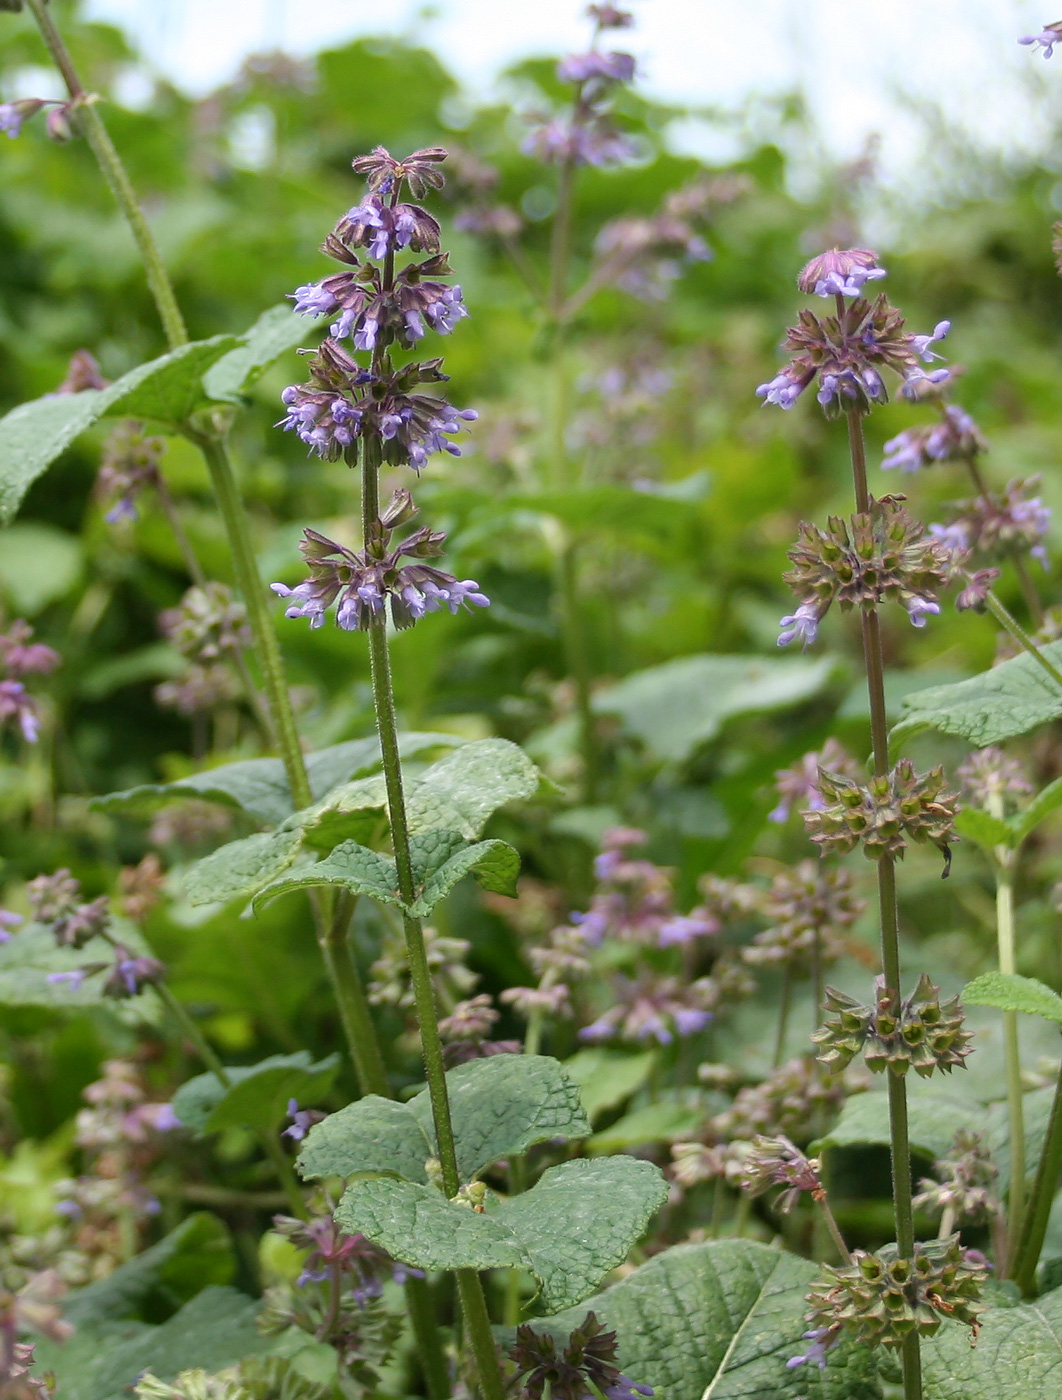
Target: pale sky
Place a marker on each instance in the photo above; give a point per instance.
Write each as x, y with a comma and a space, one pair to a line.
852, 57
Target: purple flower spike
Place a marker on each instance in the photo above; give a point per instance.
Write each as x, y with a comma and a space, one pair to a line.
804, 623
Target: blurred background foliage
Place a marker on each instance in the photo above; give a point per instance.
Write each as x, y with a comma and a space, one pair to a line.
686, 500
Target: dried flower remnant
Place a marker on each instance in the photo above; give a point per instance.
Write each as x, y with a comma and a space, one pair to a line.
582, 1368
882, 816
847, 352
798, 785
775, 1161
990, 775
809, 911
880, 554
207, 624
129, 465
966, 1190
1048, 37
925, 1034
82, 373
880, 1299
798, 1100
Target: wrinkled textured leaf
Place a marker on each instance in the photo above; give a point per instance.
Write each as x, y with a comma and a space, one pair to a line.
198, 1253
216, 1329
463, 789
258, 1095
675, 707
238, 869
1009, 992
277, 330
350, 867
719, 1321
373, 1135
572, 1228
1007, 700
350, 812
259, 785
501, 1105
1018, 1355
442, 858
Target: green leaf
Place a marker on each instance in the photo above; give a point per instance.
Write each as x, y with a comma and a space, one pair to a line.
719, 1321
656, 1122
935, 1115
276, 331
38, 565
442, 858
650, 516
350, 867
351, 812
463, 789
259, 785
27, 960
1018, 1355
258, 1095
240, 868
676, 707
198, 1253
374, 1135
1007, 700
1041, 807
572, 1228
988, 831
501, 1105
216, 1329
170, 389
1006, 991
607, 1078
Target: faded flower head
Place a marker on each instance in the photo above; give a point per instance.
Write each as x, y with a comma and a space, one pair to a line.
883, 553
880, 1299
966, 1185
988, 775
798, 785
363, 583
128, 466
886, 813
775, 1161
798, 1099
569, 1369
24, 657
208, 623
922, 1033
1000, 523
809, 910
655, 1008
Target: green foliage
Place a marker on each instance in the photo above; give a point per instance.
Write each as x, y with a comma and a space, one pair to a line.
241, 868
501, 1105
257, 1096
1018, 1354
606, 1078
1008, 700
719, 1321
1007, 991
575, 1224
277, 330
935, 1116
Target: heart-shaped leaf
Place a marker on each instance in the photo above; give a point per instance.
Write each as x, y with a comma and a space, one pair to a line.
1010, 699
240, 868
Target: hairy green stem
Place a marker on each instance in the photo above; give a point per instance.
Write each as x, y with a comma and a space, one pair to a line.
1010, 623
899, 1137
831, 1224
89, 121
1041, 1199
470, 1288
270, 1146
1005, 942
783, 1015
353, 1006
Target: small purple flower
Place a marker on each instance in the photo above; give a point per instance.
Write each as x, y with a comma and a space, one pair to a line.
302, 1120
689, 1020
73, 979
606, 67
920, 343
821, 1339
8, 921
840, 272
313, 299
684, 929
70, 1209
626, 1389
784, 389
804, 623
16, 704
1048, 37
955, 537
10, 119
918, 609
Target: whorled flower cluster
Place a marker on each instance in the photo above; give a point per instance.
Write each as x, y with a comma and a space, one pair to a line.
846, 353
881, 1298
581, 1368
798, 785
989, 775
997, 524
923, 1034
956, 438
966, 1189
364, 583
129, 465
344, 402
884, 814
808, 911
874, 555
